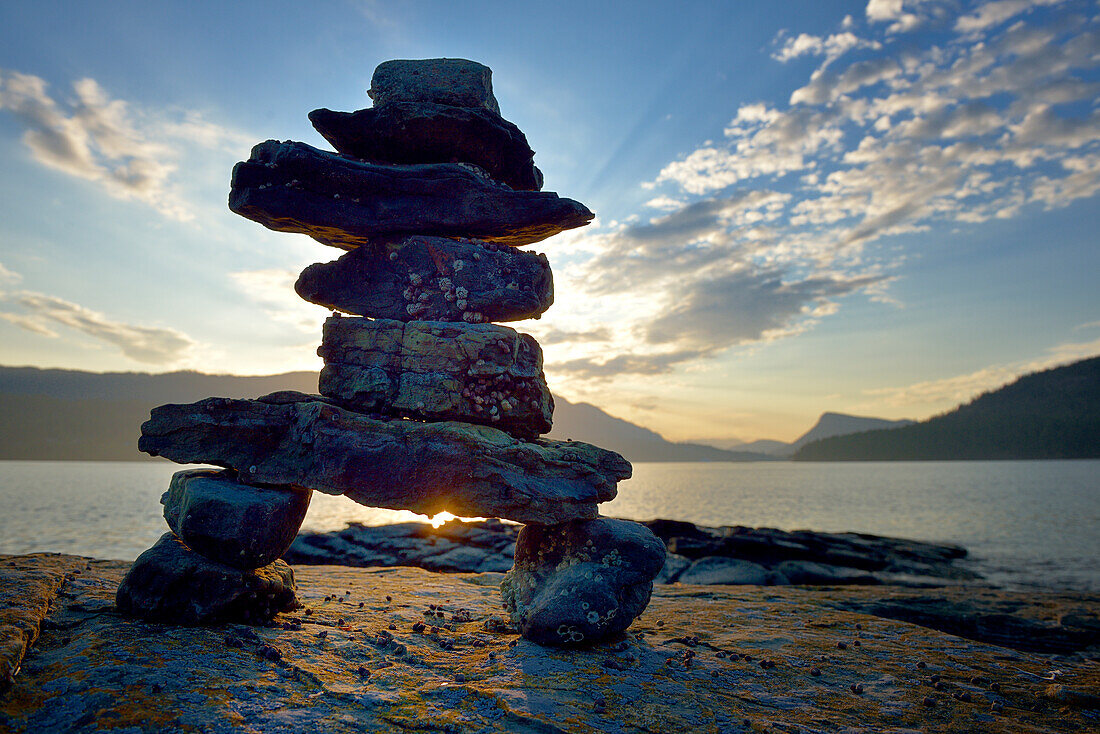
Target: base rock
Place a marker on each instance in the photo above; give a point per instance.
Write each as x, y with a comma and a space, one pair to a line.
432, 279
690, 663
230, 522
581, 582
293, 187
437, 371
468, 470
171, 583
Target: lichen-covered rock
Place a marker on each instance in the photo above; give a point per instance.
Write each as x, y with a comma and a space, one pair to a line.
293, 187
410, 133
580, 582
455, 82
366, 659
172, 583
469, 470
433, 279
227, 521
479, 373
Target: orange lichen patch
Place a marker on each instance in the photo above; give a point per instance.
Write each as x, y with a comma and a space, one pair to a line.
28, 586
705, 659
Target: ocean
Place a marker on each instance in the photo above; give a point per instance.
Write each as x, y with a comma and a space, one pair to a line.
1025, 523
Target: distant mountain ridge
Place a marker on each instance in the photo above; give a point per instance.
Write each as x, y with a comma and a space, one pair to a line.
57, 415
1053, 414
829, 424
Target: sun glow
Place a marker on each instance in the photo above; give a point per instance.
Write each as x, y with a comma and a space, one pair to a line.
440, 518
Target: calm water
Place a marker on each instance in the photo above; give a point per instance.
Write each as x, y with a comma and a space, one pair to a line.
1025, 523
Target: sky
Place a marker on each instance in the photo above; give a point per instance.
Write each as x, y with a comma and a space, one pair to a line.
881, 208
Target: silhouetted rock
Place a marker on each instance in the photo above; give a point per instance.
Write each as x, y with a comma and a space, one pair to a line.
455, 82
230, 522
433, 133
467, 469
433, 279
293, 187
438, 371
172, 583
581, 582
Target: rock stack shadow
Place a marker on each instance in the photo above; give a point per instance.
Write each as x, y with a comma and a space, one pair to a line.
426, 403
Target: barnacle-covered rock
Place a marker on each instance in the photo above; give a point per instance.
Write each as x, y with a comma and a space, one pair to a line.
339, 201
469, 470
480, 373
433, 279
172, 583
580, 582
231, 522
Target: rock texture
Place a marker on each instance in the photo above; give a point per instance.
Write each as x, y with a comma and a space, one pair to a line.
292, 187
171, 583
233, 523
424, 467
581, 582
692, 662
438, 371
454, 82
433, 133
433, 279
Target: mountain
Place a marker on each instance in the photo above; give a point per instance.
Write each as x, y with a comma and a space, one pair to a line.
584, 422
1054, 414
839, 424
56, 415
829, 424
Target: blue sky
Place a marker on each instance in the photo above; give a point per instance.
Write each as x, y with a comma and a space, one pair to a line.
876, 207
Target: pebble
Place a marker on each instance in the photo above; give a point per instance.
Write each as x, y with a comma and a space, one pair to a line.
996, 707
323, 634
842, 645
599, 706
460, 678
929, 701
995, 686
922, 665
856, 688
363, 671
815, 672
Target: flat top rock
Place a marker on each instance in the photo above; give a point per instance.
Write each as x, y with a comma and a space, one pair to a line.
93, 669
456, 82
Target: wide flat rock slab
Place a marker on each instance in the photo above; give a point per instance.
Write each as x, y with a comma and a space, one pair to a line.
433, 133
433, 279
468, 470
343, 202
437, 371
691, 662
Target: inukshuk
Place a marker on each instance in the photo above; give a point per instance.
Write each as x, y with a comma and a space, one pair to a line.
425, 404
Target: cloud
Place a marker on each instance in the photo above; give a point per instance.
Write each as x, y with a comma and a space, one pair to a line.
563, 336
129, 152
963, 388
746, 305
9, 276
150, 345
831, 47
994, 13
767, 230
273, 289
623, 364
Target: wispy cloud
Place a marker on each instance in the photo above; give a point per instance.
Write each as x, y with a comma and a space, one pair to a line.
131, 152
962, 388
150, 345
966, 118
273, 290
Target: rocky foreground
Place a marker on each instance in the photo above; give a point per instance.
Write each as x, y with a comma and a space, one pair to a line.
405, 649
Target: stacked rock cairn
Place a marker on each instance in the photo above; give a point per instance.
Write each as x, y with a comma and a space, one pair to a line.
425, 403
